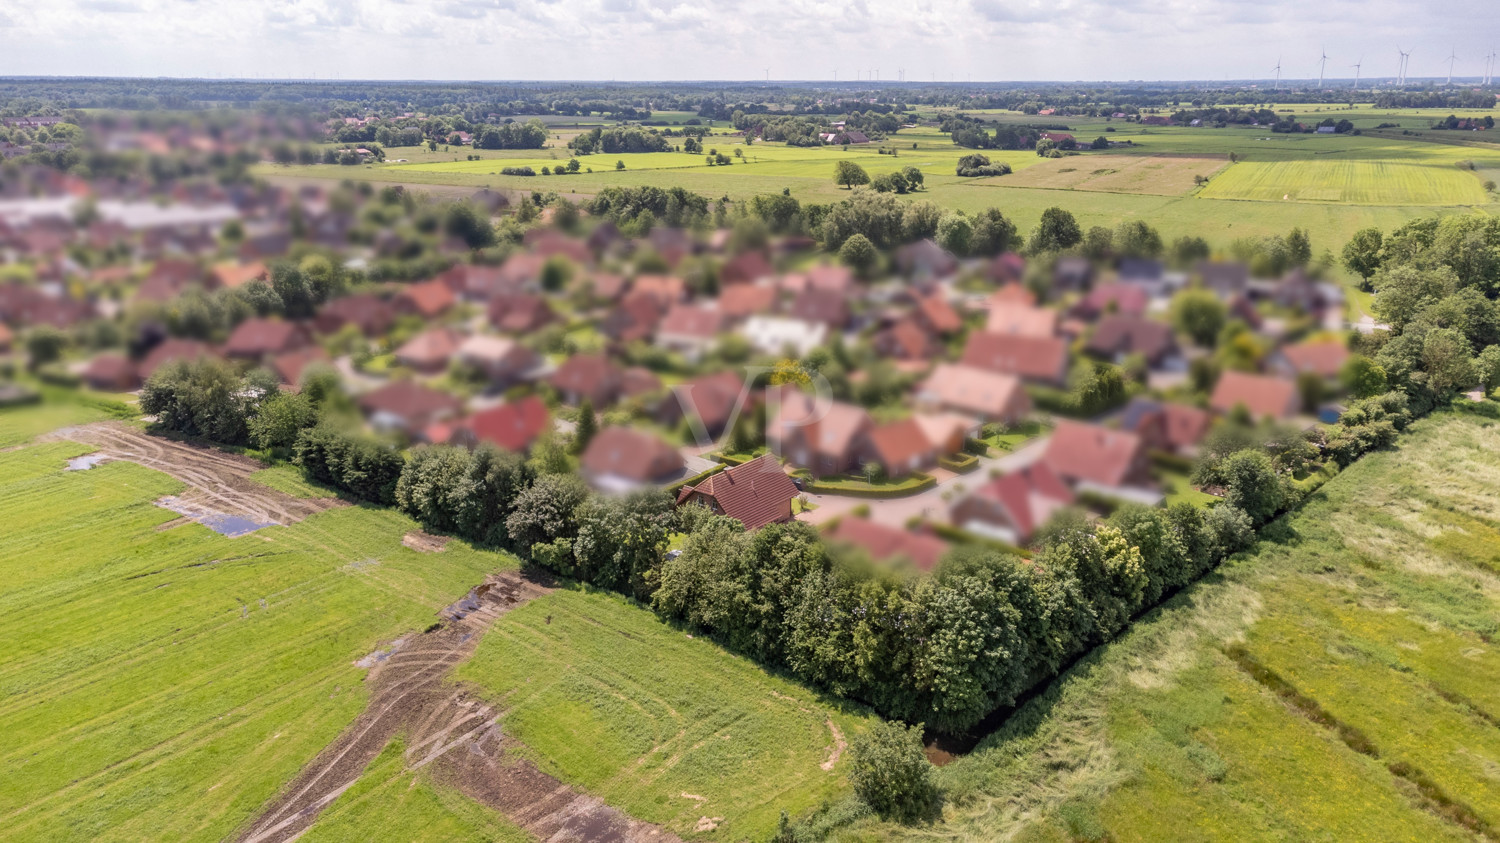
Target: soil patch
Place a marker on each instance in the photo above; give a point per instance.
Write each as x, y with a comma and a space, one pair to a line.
452, 730
424, 542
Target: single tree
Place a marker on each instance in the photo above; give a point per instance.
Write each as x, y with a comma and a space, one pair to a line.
1057, 230
890, 772
848, 174
859, 254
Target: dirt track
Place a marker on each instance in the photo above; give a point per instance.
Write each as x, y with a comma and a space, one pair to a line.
216, 480
455, 732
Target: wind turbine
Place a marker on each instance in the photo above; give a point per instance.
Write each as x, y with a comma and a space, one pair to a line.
1278, 74
1356, 71
1322, 63
768, 74
1401, 67
1452, 57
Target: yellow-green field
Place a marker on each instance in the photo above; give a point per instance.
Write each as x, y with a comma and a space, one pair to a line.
1356, 182
1151, 175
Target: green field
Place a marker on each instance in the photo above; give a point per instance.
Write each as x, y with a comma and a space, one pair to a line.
664, 726
1355, 182
1378, 603
1334, 184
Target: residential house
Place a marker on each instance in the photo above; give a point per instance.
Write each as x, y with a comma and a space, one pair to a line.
987, 395
745, 268
900, 447
588, 376
232, 275
1263, 396
430, 351
169, 279
1009, 268
407, 407
825, 436
428, 299
1106, 299
520, 313
822, 307
925, 260
256, 338
620, 459
1009, 316
883, 542
937, 316
756, 493
1095, 458
110, 372
1012, 507
1226, 279
291, 366
1165, 426
1073, 274
692, 329
781, 335
1323, 358
1034, 359
905, 339
369, 313
503, 360
744, 300
513, 426
1118, 337
710, 400
665, 290
169, 350
635, 320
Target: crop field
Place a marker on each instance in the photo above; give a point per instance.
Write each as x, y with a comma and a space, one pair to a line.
670, 729
1155, 175
1338, 683
1358, 182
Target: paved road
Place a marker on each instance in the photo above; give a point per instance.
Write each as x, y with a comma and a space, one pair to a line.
929, 504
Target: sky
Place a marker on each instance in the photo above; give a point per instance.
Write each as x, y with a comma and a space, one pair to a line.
945, 40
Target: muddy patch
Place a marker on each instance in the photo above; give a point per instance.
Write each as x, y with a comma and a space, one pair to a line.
86, 462
223, 523
424, 542
379, 656
837, 750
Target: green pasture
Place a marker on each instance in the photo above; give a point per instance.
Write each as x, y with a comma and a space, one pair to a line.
1378, 602
165, 683
1353, 182
665, 726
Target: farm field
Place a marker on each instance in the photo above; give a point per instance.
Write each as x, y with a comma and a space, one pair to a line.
1353, 649
158, 679
1334, 184
1355, 182
668, 728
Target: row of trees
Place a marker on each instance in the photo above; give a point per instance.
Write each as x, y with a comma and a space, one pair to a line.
619, 139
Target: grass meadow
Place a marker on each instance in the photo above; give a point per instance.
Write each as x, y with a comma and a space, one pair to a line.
664, 726
1340, 682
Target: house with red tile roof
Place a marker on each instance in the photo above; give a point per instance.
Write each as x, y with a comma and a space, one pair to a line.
820, 306
756, 493
1324, 358
408, 406
1170, 427
504, 360
744, 300
711, 399
666, 290
292, 365
430, 351
1034, 359
986, 395
693, 329
1008, 315
110, 372
520, 313
231, 274
1011, 507
619, 459
367, 312
169, 279
1099, 459
820, 434
172, 349
428, 299
1119, 336
1130, 299
905, 339
591, 376
635, 319
937, 316
900, 447
514, 426
745, 268
885, 542
1263, 396
254, 338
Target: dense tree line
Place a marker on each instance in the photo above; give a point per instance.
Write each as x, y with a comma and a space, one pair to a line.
619, 139
529, 135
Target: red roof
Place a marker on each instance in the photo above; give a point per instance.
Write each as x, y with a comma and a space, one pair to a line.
1029, 496
512, 426
630, 454
712, 398
1323, 358
428, 299
432, 347
173, 349
1034, 358
255, 337
898, 445
291, 365
1113, 298
1092, 453
1263, 396
757, 493
744, 269
883, 542
939, 315
410, 401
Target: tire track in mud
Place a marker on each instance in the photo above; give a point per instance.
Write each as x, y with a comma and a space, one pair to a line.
453, 732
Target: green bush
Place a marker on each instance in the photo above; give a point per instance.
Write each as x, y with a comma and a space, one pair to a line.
960, 463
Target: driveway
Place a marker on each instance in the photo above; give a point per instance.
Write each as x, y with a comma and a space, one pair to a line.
928, 504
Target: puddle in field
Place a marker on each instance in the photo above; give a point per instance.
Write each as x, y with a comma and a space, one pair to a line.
232, 526
85, 462
381, 655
